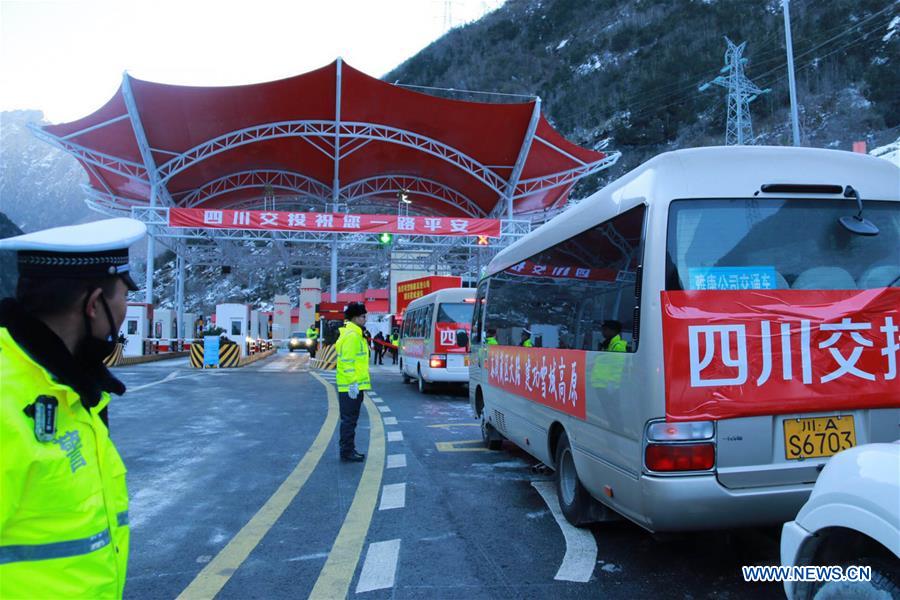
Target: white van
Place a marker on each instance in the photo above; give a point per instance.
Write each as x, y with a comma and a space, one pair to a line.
429, 352
690, 344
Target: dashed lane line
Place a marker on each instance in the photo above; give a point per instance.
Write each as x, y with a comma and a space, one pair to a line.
393, 496
581, 547
380, 567
216, 574
395, 436
384, 409
396, 461
390, 420
335, 577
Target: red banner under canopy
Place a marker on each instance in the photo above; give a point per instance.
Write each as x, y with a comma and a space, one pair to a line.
331, 222
765, 352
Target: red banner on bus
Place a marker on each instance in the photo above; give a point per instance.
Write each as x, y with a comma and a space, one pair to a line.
331, 222
445, 337
548, 376
762, 352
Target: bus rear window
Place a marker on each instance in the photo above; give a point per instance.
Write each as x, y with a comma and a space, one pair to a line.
455, 312
780, 244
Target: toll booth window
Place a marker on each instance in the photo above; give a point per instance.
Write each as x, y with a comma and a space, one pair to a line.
735, 244
235, 327
132, 327
578, 294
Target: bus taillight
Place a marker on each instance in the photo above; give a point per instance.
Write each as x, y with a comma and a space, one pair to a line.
680, 457
438, 361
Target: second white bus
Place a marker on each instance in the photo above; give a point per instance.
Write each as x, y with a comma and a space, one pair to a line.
429, 352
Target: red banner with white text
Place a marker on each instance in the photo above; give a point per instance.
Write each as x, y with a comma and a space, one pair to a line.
551, 377
762, 352
331, 222
445, 337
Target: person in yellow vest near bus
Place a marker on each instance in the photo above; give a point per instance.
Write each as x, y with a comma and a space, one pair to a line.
526, 339
491, 338
395, 340
612, 339
63, 498
312, 333
352, 377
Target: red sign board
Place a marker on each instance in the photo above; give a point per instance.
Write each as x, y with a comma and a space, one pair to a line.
445, 337
551, 377
752, 352
331, 222
409, 290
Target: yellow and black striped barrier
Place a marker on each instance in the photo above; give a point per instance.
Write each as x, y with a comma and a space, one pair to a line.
118, 358
229, 356
326, 358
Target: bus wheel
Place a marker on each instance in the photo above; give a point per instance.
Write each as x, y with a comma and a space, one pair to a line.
492, 440
424, 386
574, 500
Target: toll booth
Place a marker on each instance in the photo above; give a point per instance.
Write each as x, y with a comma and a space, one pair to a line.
310, 295
235, 320
164, 328
189, 333
254, 325
136, 327
281, 317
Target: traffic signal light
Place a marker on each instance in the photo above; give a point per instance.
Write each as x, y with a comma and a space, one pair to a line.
385, 239
483, 240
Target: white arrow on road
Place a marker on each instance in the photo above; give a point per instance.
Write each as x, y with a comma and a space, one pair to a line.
581, 547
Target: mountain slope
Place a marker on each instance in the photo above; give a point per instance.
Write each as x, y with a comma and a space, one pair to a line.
626, 72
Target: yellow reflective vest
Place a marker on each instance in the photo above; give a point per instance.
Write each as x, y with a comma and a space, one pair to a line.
312, 333
63, 502
352, 358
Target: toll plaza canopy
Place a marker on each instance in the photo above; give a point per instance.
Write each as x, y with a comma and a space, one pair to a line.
334, 137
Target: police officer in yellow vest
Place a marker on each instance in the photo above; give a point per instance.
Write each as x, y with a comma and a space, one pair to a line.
612, 340
491, 338
526, 339
63, 499
352, 377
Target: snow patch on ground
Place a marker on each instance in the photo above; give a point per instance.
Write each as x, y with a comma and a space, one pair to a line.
609, 567
889, 152
892, 29
537, 514
562, 44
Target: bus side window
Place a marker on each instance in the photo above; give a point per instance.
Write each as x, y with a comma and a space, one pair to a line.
563, 295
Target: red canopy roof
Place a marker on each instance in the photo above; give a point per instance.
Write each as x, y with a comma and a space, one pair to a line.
224, 146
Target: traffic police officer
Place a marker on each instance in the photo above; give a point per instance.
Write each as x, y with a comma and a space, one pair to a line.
352, 377
63, 499
526, 339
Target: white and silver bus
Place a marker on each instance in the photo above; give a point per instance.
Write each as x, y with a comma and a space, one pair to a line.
689, 345
429, 352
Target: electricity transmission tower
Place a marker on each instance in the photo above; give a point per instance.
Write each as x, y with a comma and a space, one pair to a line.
741, 92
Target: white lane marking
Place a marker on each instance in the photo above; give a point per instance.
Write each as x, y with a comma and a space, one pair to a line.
169, 377
395, 461
390, 420
393, 495
376, 399
581, 547
205, 558
384, 409
395, 436
380, 567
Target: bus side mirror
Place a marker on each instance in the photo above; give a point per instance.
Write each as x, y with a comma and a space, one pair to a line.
462, 339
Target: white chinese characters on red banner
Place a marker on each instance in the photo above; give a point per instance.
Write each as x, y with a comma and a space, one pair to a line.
445, 337
551, 377
294, 221
743, 353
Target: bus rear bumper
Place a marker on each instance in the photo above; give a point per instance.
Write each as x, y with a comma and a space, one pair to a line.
433, 375
694, 503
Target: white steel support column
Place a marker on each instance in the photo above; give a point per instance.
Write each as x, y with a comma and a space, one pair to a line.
523, 156
334, 270
151, 252
336, 183
789, 47
179, 296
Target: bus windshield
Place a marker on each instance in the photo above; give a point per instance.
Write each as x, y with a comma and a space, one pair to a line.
455, 312
780, 244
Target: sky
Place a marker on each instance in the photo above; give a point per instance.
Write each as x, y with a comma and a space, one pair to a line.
66, 57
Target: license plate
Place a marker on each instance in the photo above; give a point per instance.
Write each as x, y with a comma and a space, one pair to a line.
818, 436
